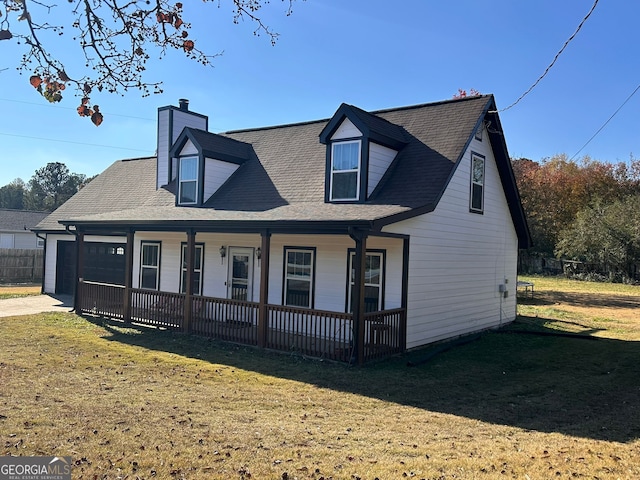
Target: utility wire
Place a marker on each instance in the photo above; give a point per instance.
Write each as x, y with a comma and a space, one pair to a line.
70, 108
605, 123
554, 59
75, 143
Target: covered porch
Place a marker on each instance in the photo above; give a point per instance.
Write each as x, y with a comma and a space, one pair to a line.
361, 333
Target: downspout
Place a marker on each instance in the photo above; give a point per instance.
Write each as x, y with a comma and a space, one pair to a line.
44, 261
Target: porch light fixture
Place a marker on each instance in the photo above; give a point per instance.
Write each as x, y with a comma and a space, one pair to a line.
258, 253
223, 253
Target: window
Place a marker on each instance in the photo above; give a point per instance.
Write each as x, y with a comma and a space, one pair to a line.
188, 189
39, 242
477, 183
345, 170
150, 265
299, 277
197, 269
373, 280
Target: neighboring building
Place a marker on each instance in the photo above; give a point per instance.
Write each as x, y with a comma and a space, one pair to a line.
349, 238
15, 228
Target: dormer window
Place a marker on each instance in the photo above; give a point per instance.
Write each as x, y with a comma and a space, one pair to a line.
345, 170
188, 184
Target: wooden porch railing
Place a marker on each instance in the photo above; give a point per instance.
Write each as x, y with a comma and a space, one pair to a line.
225, 319
160, 309
316, 333
101, 299
311, 332
383, 333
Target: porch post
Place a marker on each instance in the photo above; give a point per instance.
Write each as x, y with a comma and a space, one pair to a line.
128, 276
263, 312
77, 291
191, 250
359, 263
405, 294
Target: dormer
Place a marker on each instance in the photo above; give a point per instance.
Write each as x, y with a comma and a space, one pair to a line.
171, 121
360, 149
204, 162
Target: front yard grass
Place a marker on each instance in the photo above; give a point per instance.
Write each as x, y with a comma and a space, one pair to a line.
15, 291
128, 402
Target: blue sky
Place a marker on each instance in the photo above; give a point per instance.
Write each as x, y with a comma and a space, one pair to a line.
374, 54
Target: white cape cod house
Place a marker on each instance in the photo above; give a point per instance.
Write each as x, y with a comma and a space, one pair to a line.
351, 238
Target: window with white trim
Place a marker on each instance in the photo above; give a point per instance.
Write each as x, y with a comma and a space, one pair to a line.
150, 265
476, 200
197, 269
373, 280
299, 277
188, 183
345, 170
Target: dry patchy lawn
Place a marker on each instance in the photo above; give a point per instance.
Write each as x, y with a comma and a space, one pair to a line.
13, 291
138, 403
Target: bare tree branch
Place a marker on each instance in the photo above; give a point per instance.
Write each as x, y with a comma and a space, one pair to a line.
116, 38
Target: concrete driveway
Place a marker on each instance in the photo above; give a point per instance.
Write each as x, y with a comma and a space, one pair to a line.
35, 304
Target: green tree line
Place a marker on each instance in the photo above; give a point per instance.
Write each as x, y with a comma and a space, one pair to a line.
48, 188
586, 210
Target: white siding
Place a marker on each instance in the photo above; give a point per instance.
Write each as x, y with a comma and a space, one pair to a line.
50, 260
164, 144
458, 260
380, 158
214, 273
330, 275
26, 240
189, 149
331, 268
346, 130
171, 122
7, 240
216, 172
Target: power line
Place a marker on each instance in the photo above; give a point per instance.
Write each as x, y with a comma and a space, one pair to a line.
71, 108
554, 59
605, 123
75, 143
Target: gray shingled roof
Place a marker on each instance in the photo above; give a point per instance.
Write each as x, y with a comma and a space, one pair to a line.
284, 180
19, 220
125, 184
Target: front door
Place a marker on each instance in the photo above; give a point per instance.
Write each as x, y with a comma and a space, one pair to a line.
240, 276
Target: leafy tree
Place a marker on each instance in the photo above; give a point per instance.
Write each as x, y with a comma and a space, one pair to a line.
607, 235
51, 186
12, 195
115, 40
555, 190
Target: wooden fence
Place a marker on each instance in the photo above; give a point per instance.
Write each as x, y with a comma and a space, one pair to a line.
21, 265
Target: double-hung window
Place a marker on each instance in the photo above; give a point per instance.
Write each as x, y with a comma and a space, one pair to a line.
150, 265
188, 184
373, 281
345, 170
197, 269
299, 277
476, 201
